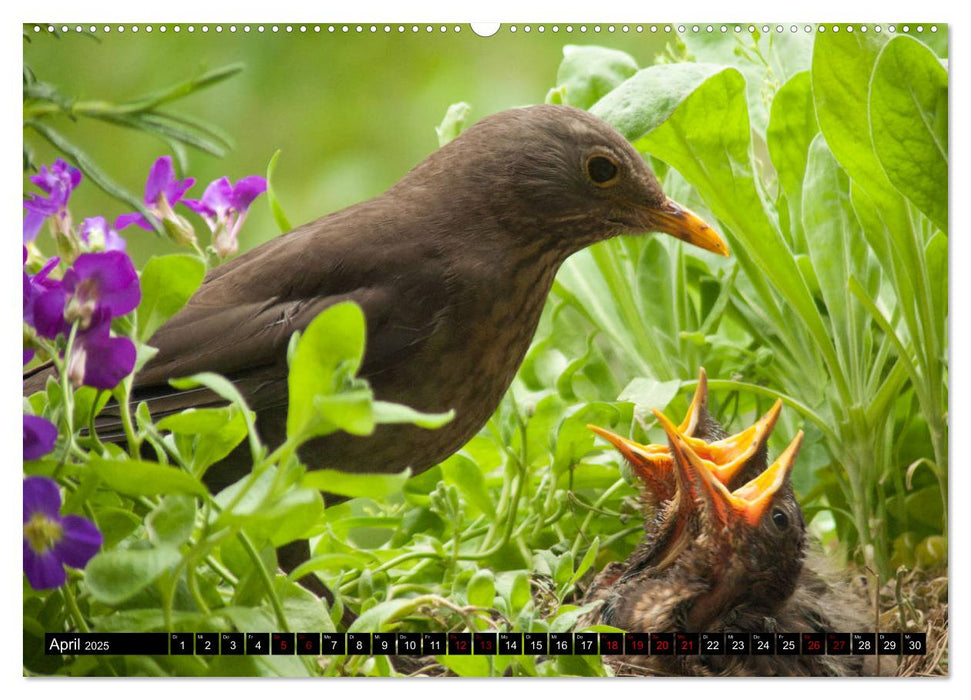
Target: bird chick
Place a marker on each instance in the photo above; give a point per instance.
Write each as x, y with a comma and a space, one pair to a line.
722, 554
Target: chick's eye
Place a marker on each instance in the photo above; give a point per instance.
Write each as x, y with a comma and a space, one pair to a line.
601, 169
780, 519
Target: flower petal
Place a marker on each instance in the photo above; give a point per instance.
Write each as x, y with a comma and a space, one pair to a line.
41, 495
175, 190
48, 313
43, 570
40, 435
80, 541
107, 360
33, 223
246, 190
126, 220
160, 176
112, 275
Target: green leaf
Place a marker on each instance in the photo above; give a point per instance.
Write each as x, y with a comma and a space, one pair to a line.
376, 486
482, 589
171, 523
350, 411
330, 350
792, 126
466, 666
842, 65
87, 402
114, 577
837, 249
386, 412
587, 561
168, 282
467, 476
935, 255
908, 124
647, 394
590, 72
136, 478
568, 616
374, 619
453, 123
276, 209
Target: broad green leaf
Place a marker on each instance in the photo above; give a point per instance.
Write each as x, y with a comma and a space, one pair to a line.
590, 72
171, 523
168, 282
574, 439
115, 576
350, 411
466, 475
465, 666
374, 619
212, 432
276, 209
116, 524
568, 616
453, 123
935, 255
481, 589
908, 124
647, 394
305, 611
88, 401
658, 294
764, 60
792, 126
330, 350
386, 412
837, 250
842, 66
136, 478
376, 486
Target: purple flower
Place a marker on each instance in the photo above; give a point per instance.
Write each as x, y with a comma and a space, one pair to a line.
97, 358
52, 540
100, 281
224, 207
44, 302
58, 181
39, 436
162, 192
96, 235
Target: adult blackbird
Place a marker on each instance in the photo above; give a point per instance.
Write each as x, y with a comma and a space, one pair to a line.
719, 560
452, 266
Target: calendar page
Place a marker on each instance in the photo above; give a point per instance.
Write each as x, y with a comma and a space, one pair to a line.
435, 350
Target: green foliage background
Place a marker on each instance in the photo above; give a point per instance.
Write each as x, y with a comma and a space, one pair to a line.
834, 301
350, 112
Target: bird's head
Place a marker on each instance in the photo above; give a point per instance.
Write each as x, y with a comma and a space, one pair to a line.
563, 173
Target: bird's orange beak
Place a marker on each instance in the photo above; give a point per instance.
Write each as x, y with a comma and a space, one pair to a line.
747, 503
681, 222
725, 458
650, 463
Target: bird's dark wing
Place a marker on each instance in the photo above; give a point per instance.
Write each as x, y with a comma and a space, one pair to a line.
240, 321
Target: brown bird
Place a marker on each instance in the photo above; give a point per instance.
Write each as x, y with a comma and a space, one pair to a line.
719, 560
452, 266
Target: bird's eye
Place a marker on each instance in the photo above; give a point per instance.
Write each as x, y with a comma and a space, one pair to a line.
602, 170
780, 519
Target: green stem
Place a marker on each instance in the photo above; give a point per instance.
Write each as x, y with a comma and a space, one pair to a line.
267, 581
68, 398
